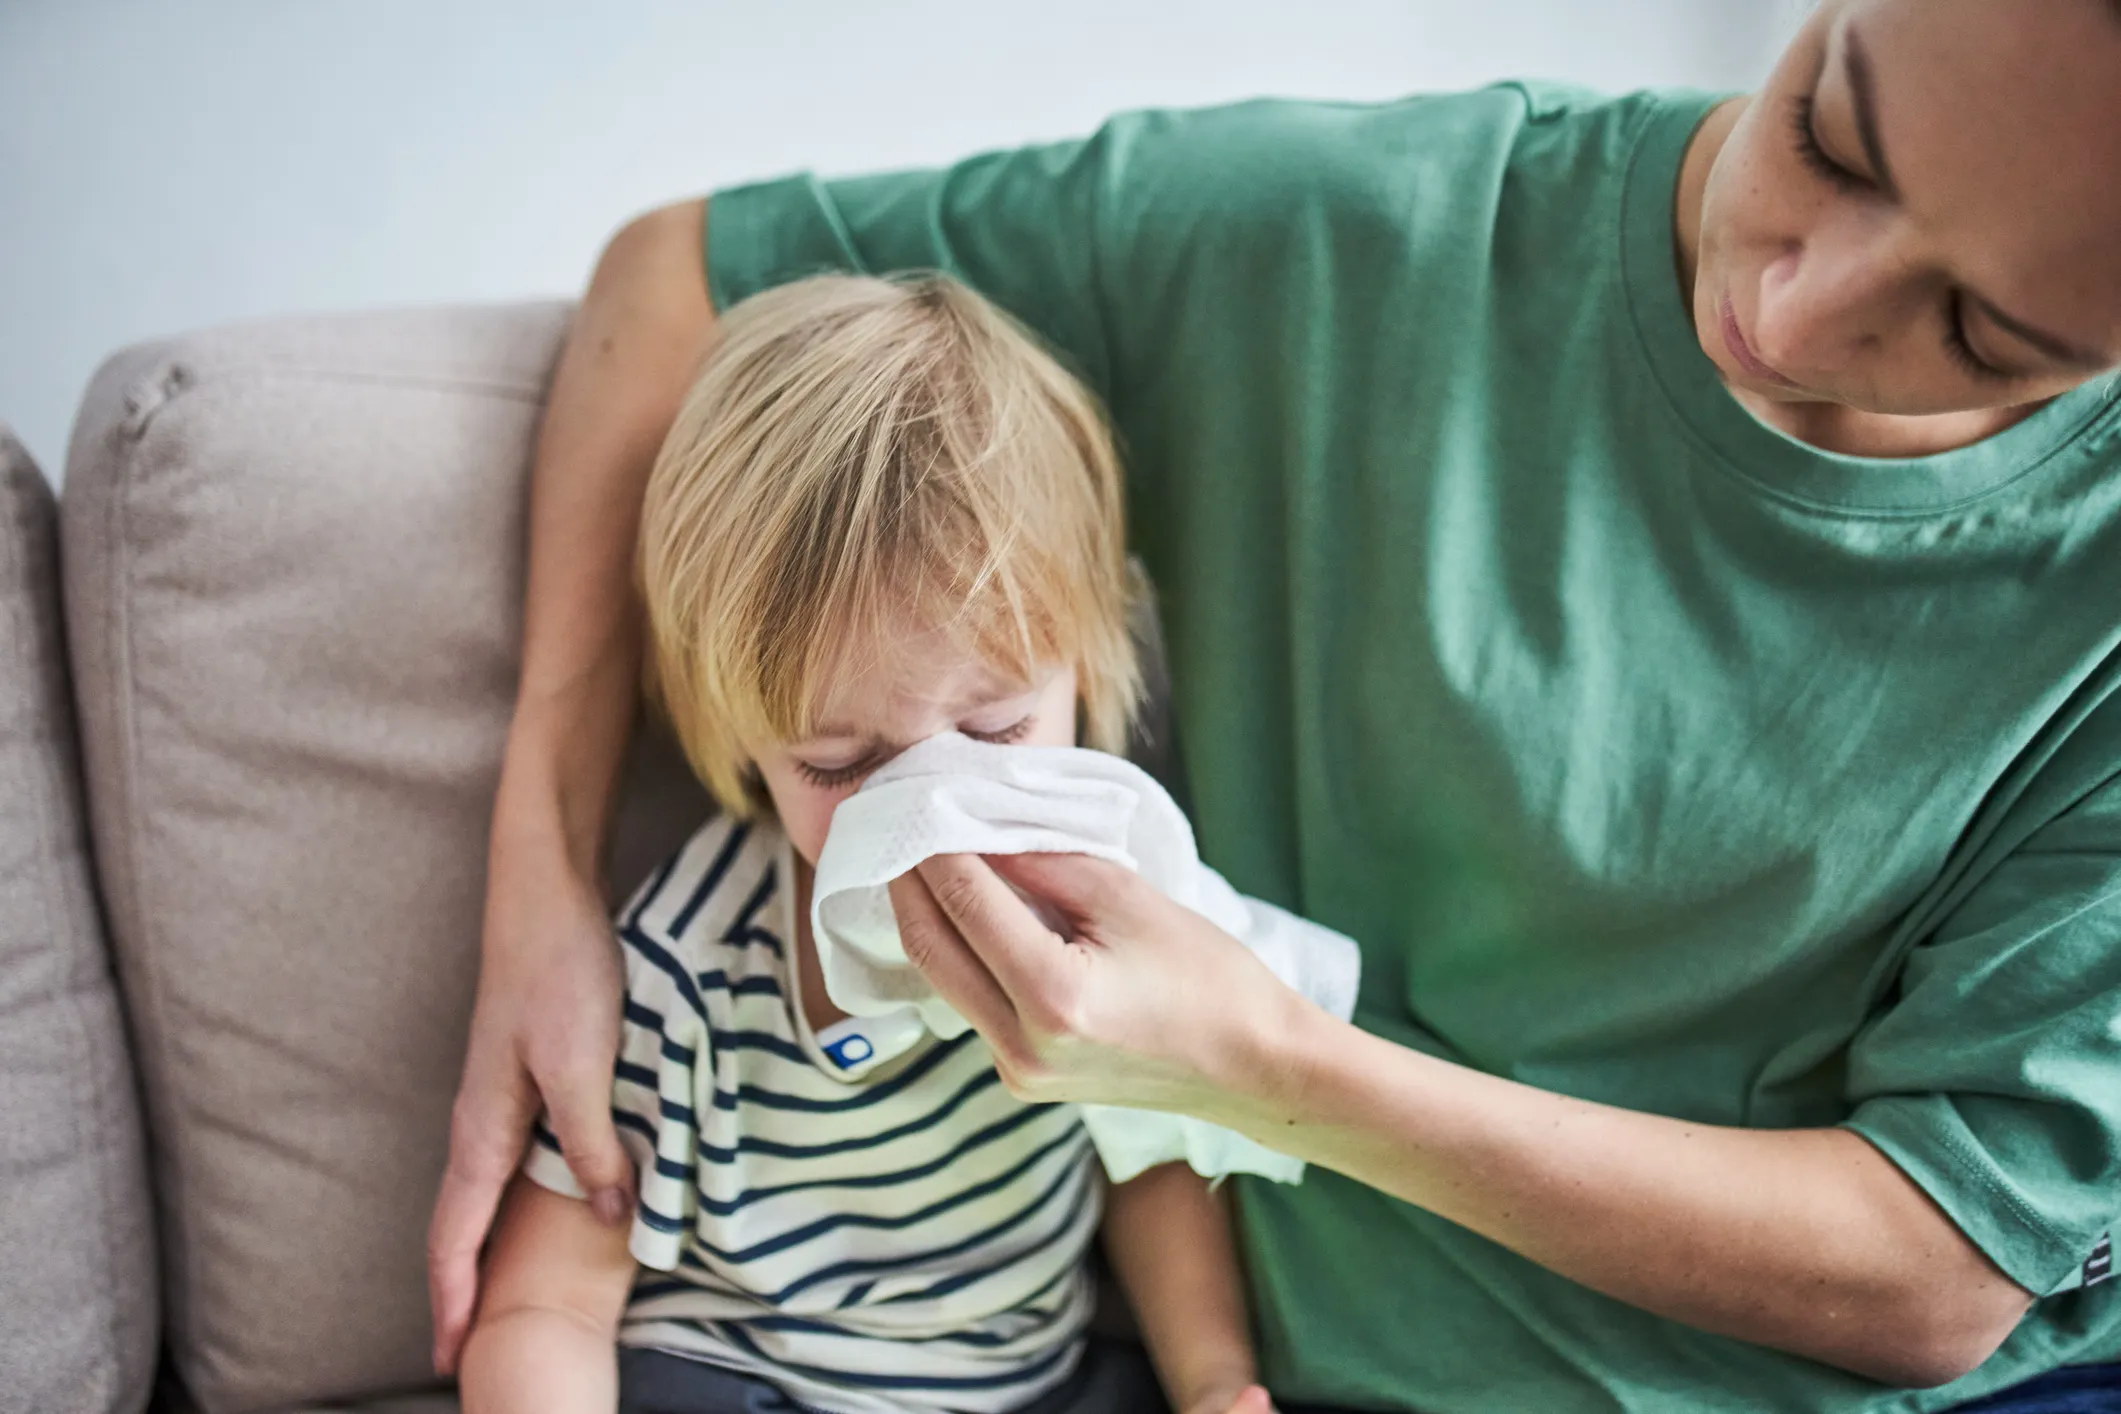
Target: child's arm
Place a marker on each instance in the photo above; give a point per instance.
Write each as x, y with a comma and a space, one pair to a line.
545, 1338
1168, 1238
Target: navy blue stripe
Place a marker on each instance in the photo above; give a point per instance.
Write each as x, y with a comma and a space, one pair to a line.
718, 981
961, 1280
1000, 1129
652, 891
761, 1041
711, 880
1038, 1320
750, 1144
796, 1237
746, 928
855, 1294
883, 1090
661, 959
644, 1019
863, 1266
546, 1137
733, 1332
687, 1173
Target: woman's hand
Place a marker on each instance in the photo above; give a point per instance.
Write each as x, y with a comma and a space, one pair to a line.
546, 1025
1145, 1003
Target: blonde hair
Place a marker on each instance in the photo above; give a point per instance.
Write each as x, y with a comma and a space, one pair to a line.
862, 457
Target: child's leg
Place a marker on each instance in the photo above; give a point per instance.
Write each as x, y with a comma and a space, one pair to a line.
651, 1382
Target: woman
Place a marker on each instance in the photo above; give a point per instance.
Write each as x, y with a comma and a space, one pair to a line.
1645, 568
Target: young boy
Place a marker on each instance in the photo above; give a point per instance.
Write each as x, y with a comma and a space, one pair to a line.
884, 513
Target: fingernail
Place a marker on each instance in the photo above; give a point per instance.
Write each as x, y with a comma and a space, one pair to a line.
610, 1206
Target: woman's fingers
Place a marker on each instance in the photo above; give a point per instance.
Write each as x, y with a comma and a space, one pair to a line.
1021, 953
492, 1114
1081, 887
578, 1101
934, 945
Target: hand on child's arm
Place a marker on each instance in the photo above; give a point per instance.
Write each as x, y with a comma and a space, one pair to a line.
1169, 1241
545, 1339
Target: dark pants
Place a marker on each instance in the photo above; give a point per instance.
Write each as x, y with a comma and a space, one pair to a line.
2077, 1389
1113, 1378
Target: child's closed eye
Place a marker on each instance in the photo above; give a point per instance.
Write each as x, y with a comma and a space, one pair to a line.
1015, 731
833, 777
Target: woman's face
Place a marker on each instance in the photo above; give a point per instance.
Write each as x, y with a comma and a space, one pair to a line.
1921, 212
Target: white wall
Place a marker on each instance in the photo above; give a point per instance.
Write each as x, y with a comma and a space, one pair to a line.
165, 165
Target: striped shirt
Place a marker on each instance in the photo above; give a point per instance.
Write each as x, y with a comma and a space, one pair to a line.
875, 1225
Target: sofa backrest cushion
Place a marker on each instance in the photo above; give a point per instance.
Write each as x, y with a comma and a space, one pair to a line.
77, 1252
294, 554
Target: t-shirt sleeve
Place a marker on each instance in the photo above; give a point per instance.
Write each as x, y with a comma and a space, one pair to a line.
1994, 1079
1099, 244
663, 1057
1018, 226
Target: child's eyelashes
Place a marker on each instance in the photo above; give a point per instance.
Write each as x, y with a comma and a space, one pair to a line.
1015, 731
835, 777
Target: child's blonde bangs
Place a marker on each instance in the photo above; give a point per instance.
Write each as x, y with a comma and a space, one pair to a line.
863, 460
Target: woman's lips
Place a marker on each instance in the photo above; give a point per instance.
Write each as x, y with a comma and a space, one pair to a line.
1734, 340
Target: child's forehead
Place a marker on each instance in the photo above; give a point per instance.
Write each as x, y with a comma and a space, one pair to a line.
868, 693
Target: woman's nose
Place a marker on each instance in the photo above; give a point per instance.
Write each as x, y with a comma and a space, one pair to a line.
1825, 303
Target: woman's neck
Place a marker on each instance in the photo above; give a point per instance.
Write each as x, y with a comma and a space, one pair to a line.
1831, 427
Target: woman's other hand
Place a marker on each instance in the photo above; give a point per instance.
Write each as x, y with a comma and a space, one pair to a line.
1145, 1003
548, 1009
544, 1032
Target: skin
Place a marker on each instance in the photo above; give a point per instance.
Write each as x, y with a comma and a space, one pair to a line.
1999, 126
557, 1277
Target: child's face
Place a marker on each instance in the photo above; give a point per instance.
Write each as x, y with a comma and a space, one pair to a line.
870, 717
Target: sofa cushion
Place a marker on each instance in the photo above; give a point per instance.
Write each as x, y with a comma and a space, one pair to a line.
77, 1293
294, 557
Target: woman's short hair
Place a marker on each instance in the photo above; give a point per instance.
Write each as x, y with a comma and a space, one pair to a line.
861, 459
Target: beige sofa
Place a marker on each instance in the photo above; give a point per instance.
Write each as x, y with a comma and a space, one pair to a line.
229, 1033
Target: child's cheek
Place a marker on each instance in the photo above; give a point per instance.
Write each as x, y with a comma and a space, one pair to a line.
808, 817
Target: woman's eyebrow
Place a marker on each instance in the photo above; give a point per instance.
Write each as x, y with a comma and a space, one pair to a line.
1863, 93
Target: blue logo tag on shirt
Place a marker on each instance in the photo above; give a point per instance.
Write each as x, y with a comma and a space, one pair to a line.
849, 1051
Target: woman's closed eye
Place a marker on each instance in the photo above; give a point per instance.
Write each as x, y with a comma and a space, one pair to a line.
1805, 125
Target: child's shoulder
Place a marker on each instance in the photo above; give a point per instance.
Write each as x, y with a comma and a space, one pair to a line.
721, 892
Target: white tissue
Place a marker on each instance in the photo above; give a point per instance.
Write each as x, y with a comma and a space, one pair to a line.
953, 795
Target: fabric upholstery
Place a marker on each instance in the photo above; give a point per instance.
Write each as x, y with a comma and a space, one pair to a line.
294, 559
77, 1292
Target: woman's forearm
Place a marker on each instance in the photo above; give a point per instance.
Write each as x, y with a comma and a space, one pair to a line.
1807, 1240
637, 339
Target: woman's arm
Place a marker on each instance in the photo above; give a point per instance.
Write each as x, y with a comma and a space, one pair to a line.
545, 1341
1810, 1241
1168, 1238
547, 1015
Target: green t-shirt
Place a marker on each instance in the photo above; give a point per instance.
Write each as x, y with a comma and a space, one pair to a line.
1653, 757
